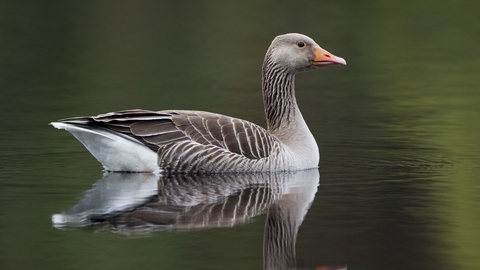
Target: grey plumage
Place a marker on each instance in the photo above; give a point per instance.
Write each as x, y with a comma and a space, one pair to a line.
190, 141
182, 141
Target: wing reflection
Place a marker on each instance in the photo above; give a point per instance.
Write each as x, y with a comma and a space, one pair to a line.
142, 203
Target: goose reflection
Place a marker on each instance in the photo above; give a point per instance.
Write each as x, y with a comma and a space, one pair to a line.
134, 204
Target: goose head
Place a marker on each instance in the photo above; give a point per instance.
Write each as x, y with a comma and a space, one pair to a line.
297, 53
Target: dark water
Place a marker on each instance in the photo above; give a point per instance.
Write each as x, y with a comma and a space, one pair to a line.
398, 130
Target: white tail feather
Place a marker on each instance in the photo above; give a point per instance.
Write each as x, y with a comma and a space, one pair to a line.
115, 151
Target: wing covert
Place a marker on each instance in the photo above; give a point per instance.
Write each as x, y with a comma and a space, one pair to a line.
159, 128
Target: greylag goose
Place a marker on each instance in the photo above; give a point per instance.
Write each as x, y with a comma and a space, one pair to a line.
179, 141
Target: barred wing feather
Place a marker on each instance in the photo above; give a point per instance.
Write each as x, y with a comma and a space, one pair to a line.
187, 130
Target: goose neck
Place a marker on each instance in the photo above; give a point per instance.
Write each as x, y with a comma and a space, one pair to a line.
278, 96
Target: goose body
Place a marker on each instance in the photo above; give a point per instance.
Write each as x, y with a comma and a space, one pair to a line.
180, 141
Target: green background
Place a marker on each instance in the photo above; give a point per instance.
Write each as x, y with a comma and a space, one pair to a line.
398, 127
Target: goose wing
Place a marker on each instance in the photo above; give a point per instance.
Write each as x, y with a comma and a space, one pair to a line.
157, 129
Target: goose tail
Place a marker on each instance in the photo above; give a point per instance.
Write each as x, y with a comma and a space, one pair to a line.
115, 151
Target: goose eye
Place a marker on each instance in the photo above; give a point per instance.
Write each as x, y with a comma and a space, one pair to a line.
301, 44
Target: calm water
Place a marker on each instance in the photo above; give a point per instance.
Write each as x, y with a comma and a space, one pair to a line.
398, 130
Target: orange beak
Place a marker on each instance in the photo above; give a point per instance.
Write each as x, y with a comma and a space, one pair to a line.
324, 58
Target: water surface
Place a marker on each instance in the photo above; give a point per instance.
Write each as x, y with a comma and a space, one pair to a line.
397, 127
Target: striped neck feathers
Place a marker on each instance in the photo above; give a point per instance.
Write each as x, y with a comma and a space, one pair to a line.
278, 95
